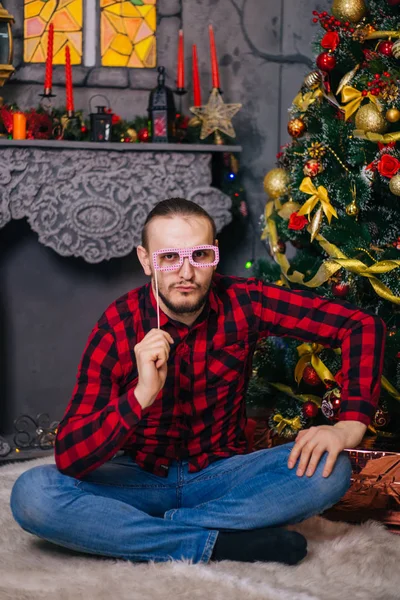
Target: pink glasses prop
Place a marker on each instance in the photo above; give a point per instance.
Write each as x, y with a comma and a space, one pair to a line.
171, 259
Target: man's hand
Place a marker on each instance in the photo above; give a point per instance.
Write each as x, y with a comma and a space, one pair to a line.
151, 358
312, 443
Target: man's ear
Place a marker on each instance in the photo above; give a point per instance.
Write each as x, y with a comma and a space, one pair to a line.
144, 258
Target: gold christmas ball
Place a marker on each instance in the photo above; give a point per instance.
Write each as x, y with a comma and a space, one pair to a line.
296, 128
349, 10
394, 185
276, 183
352, 209
132, 134
369, 118
396, 49
393, 115
312, 80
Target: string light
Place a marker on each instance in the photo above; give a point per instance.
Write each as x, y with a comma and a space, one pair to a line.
249, 264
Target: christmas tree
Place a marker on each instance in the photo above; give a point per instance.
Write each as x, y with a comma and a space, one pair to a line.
335, 197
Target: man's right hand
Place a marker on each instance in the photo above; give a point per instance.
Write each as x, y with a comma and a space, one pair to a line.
151, 358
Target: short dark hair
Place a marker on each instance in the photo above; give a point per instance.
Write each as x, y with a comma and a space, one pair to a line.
172, 207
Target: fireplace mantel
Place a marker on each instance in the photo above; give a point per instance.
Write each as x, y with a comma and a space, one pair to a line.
90, 200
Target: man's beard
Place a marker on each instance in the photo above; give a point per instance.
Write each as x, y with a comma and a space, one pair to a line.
185, 308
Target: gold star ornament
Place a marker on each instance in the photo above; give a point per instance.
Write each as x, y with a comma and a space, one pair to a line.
216, 115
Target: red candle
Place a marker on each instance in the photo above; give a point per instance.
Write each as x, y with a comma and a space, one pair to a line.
49, 61
196, 78
68, 81
214, 60
180, 82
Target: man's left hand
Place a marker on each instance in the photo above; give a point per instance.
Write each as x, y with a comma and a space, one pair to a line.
311, 444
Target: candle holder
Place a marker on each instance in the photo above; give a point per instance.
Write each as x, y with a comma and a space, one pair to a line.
47, 93
180, 92
46, 102
72, 127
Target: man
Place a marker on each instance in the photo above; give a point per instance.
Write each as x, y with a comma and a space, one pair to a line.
163, 378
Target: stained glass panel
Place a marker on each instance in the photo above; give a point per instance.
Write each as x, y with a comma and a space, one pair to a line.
66, 15
128, 33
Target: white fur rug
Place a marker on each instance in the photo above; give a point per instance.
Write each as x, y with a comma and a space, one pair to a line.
344, 561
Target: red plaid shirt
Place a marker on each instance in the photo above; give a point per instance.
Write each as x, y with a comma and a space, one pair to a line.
200, 414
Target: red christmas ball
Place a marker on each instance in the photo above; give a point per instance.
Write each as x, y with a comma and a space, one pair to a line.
385, 48
326, 61
310, 410
143, 135
312, 168
310, 376
341, 289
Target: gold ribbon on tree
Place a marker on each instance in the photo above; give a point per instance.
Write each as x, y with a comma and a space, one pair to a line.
359, 268
295, 423
353, 98
309, 354
329, 267
270, 206
282, 387
377, 137
378, 35
390, 388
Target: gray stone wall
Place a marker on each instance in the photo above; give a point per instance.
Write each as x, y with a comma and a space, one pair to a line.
48, 304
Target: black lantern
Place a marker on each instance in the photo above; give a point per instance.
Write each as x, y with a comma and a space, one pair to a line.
100, 123
162, 112
6, 45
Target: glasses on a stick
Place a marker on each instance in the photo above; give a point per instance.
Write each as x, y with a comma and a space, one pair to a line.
171, 259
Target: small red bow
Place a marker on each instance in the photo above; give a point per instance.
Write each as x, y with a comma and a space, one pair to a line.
382, 146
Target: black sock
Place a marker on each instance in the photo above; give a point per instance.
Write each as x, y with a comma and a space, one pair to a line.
268, 544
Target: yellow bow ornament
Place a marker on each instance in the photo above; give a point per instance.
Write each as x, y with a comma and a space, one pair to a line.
353, 98
317, 195
309, 354
295, 423
303, 101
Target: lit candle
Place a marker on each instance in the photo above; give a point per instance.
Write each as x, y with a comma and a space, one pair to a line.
68, 82
49, 61
19, 126
180, 82
214, 60
196, 78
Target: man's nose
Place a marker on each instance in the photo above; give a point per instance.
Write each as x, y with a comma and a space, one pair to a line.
187, 270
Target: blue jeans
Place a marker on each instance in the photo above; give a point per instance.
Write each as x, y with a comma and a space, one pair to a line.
122, 511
